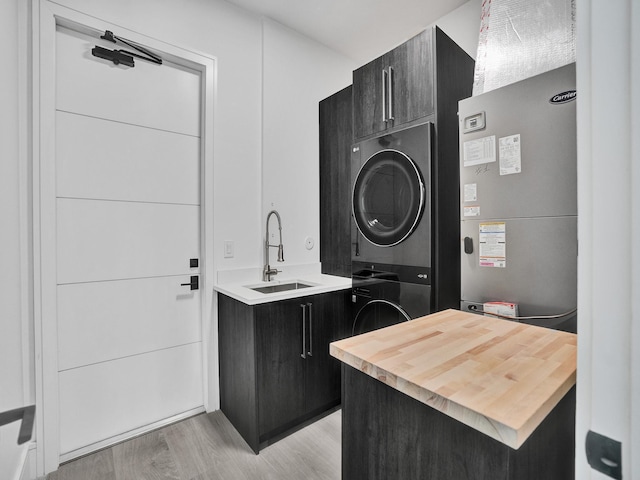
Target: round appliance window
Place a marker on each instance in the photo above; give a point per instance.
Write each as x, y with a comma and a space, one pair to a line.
378, 314
388, 198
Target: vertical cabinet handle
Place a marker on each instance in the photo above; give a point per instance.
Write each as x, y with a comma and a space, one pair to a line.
310, 352
304, 330
385, 84
390, 115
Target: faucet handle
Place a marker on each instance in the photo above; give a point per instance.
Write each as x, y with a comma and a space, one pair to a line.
268, 272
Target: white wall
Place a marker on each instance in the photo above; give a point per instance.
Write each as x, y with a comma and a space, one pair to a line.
463, 26
12, 356
298, 73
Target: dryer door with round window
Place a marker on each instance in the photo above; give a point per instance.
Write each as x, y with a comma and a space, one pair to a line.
388, 198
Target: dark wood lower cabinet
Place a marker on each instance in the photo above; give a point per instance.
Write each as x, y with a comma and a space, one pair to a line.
387, 435
275, 369
280, 367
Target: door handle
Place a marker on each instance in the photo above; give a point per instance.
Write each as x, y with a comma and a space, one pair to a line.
310, 352
385, 82
390, 115
194, 283
304, 330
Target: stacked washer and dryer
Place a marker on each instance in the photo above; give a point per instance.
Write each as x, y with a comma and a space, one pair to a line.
405, 237
391, 228
405, 233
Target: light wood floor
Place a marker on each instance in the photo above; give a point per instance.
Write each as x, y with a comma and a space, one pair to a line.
207, 447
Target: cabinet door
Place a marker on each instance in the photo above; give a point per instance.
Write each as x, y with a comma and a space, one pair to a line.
412, 79
236, 338
335, 183
410, 71
280, 366
367, 98
328, 321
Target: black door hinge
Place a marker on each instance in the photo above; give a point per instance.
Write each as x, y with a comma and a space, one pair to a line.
604, 454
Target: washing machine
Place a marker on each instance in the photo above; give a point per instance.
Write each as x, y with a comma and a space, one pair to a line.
381, 300
391, 227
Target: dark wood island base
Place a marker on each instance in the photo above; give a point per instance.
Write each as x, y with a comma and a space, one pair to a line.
387, 435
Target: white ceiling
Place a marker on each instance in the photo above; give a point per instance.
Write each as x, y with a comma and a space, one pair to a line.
360, 29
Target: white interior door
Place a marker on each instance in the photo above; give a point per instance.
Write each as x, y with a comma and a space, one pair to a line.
127, 167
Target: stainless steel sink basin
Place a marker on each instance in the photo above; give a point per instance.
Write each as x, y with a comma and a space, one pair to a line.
280, 287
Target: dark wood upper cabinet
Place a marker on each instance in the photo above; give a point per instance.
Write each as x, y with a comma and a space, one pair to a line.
369, 98
336, 137
410, 79
395, 88
399, 87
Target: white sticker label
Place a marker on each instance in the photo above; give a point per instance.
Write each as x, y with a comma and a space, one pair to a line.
493, 245
510, 159
477, 152
470, 192
471, 211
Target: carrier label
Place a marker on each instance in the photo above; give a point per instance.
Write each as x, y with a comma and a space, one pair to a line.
563, 97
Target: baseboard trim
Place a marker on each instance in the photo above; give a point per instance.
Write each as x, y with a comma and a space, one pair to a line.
94, 447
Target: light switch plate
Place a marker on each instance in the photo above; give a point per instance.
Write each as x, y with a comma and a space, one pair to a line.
228, 249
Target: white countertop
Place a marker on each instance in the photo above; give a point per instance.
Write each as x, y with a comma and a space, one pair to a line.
319, 283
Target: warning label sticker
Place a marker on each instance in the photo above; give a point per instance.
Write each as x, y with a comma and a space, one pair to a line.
471, 211
493, 245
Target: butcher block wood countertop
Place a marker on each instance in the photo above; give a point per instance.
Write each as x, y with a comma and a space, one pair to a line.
497, 376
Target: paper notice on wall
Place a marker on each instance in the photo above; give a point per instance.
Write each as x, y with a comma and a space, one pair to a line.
470, 192
510, 158
493, 245
479, 151
471, 211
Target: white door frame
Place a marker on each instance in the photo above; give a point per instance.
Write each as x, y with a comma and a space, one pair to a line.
46, 16
608, 383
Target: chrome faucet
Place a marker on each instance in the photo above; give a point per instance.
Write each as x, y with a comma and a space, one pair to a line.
268, 272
